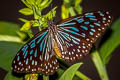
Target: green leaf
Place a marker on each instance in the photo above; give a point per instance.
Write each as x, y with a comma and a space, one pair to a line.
60, 72
26, 11
45, 4
78, 9
9, 76
77, 2
32, 2
7, 28
7, 52
99, 65
111, 43
65, 12
70, 72
22, 19
45, 77
26, 26
51, 14
38, 2
27, 4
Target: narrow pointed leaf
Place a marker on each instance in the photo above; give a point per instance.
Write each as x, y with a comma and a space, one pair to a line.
70, 72
111, 43
26, 11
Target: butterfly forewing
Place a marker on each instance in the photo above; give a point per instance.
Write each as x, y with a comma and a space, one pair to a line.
36, 56
77, 34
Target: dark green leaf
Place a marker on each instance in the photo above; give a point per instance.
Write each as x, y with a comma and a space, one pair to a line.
8, 50
60, 72
109, 46
9, 76
70, 72
7, 28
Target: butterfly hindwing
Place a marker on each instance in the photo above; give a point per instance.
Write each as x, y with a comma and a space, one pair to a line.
77, 34
36, 56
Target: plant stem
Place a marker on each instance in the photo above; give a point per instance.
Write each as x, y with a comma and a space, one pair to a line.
99, 66
82, 76
45, 77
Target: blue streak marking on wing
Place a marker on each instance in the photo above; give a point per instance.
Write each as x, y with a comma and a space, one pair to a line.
84, 27
90, 33
19, 63
91, 25
36, 38
30, 57
41, 37
33, 62
31, 51
63, 36
18, 58
63, 33
75, 29
70, 31
93, 19
86, 23
80, 20
97, 24
65, 24
27, 61
25, 48
89, 16
25, 54
66, 34
74, 38
75, 41
32, 45
101, 14
35, 53
83, 34
93, 30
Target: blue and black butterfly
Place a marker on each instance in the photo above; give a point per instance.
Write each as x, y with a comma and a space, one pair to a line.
70, 39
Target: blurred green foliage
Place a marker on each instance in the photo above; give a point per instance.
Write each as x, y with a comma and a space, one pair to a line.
10, 44
111, 43
70, 7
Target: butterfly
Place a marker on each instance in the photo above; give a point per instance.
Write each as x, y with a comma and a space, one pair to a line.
69, 39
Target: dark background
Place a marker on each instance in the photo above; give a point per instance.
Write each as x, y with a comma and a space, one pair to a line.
9, 12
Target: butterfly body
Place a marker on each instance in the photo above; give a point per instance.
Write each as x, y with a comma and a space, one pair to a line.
70, 39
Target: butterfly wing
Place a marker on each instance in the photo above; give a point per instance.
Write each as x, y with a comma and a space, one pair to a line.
36, 56
77, 34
